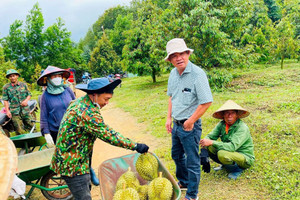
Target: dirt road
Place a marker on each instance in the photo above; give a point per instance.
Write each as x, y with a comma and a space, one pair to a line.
128, 126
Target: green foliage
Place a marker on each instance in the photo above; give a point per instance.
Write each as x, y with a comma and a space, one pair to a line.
222, 33
274, 11
285, 43
219, 79
104, 59
59, 49
31, 46
140, 53
4, 66
108, 19
117, 36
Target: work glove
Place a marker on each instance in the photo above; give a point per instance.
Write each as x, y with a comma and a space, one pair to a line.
141, 148
205, 160
49, 139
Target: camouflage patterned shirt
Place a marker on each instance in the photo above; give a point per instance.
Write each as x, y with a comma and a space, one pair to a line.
79, 128
15, 94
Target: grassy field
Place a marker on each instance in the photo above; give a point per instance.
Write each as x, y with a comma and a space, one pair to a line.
271, 95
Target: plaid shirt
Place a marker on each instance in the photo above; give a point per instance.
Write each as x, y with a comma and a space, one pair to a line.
188, 91
80, 126
15, 94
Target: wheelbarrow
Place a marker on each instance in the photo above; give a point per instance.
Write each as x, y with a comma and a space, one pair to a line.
110, 171
29, 141
36, 167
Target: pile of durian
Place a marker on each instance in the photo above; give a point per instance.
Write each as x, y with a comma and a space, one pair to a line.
128, 186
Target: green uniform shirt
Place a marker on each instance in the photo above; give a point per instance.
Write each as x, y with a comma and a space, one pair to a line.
15, 94
238, 139
79, 128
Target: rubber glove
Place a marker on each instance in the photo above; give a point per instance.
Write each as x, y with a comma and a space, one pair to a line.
49, 139
141, 148
205, 160
94, 178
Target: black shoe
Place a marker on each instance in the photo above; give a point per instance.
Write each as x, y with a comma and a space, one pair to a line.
182, 187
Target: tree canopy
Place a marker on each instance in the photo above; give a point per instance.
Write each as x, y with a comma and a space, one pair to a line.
223, 33
31, 45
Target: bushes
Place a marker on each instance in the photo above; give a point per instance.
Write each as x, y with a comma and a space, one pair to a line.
218, 79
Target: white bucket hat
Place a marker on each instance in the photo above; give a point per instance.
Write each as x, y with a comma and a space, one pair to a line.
231, 105
177, 45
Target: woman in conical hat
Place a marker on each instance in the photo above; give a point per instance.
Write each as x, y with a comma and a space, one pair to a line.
235, 151
54, 101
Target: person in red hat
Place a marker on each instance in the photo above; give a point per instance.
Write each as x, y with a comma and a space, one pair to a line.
54, 101
235, 151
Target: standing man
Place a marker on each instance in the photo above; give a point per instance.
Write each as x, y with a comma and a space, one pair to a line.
81, 125
190, 97
235, 151
16, 96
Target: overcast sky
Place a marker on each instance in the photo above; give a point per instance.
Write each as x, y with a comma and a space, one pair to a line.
78, 15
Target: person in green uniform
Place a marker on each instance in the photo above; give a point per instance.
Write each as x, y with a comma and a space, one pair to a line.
16, 96
235, 151
81, 125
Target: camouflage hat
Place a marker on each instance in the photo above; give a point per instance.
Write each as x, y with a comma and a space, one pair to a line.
11, 71
42, 81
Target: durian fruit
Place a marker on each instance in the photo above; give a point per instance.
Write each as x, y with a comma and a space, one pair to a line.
147, 166
128, 179
160, 189
126, 194
143, 192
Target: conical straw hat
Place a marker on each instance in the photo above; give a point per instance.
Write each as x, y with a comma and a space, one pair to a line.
8, 165
230, 105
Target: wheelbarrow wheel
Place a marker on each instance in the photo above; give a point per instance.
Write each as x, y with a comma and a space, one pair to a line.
51, 180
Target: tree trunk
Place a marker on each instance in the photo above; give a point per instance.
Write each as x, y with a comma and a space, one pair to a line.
153, 75
282, 58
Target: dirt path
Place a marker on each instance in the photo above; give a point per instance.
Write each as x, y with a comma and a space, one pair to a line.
128, 126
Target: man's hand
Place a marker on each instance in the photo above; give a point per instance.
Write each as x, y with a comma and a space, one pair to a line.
188, 125
8, 113
169, 125
206, 142
24, 103
204, 156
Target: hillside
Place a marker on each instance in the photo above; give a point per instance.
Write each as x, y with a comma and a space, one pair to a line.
272, 97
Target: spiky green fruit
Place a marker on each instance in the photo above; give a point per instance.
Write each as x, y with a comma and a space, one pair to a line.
143, 192
127, 180
126, 194
147, 166
160, 189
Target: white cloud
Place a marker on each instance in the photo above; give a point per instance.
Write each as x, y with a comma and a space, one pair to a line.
78, 15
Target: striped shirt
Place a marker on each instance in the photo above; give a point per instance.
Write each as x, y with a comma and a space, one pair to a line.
188, 91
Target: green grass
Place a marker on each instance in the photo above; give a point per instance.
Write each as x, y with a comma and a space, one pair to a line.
271, 95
